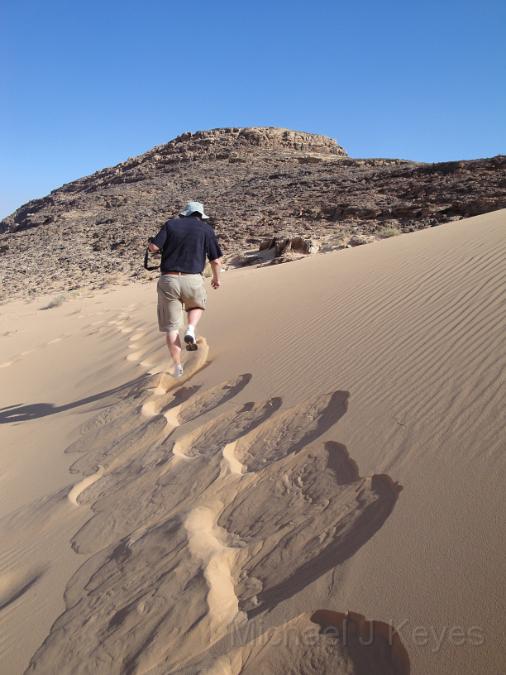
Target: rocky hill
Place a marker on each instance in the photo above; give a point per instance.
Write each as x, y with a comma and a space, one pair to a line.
256, 183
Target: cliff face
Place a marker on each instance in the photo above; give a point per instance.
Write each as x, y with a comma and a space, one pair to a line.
255, 183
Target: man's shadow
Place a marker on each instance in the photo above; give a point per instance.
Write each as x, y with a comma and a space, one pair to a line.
22, 413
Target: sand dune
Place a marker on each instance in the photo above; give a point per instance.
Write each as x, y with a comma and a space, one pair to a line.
335, 450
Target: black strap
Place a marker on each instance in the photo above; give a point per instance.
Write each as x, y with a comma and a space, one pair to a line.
150, 268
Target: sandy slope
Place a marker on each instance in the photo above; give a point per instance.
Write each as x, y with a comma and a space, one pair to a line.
337, 444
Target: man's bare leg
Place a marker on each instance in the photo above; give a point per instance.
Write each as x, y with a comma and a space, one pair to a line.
174, 345
194, 316
189, 336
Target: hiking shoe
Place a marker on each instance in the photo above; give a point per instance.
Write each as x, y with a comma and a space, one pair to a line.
178, 370
189, 338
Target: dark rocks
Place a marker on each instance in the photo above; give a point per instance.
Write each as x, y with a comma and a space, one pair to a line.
267, 244
358, 240
118, 244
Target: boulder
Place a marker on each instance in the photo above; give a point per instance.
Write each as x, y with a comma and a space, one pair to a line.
283, 245
359, 240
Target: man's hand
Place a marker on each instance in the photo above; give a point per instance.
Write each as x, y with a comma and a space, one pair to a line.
215, 283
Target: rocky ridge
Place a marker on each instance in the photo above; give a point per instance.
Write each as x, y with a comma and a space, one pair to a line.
257, 183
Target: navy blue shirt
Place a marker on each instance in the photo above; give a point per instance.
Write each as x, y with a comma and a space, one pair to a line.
185, 244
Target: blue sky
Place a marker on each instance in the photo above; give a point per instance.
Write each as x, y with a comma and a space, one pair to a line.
88, 84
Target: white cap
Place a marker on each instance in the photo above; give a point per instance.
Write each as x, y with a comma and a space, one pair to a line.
193, 207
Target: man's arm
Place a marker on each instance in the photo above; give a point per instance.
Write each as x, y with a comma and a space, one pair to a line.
156, 243
216, 269
214, 255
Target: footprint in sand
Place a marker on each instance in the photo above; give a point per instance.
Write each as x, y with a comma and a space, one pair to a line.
137, 336
191, 364
82, 485
320, 513
134, 356
194, 362
189, 552
132, 441
206, 543
151, 479
197, 405
27, 352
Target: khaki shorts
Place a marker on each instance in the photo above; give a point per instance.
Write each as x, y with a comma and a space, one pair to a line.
176, 291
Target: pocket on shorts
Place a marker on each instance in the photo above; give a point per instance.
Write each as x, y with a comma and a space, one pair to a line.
196, 295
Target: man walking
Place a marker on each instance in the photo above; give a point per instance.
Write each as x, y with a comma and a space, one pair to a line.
185, 243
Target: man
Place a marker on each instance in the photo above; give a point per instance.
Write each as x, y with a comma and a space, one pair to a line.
185, 243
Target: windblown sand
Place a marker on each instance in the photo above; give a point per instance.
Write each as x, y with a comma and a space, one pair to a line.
323, 491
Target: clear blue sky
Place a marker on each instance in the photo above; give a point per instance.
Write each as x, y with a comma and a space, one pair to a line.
87, 84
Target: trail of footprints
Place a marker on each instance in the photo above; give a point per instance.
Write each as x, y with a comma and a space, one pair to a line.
100, 326
204, 516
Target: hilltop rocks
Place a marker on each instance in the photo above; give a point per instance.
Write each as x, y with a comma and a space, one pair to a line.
224, 143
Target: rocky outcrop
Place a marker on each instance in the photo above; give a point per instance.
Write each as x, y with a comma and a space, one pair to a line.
281, 246
232, 142
256, 183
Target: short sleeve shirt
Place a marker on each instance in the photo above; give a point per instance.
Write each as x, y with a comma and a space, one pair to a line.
185, 244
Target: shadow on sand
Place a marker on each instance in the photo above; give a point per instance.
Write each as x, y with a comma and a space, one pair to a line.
21, 412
